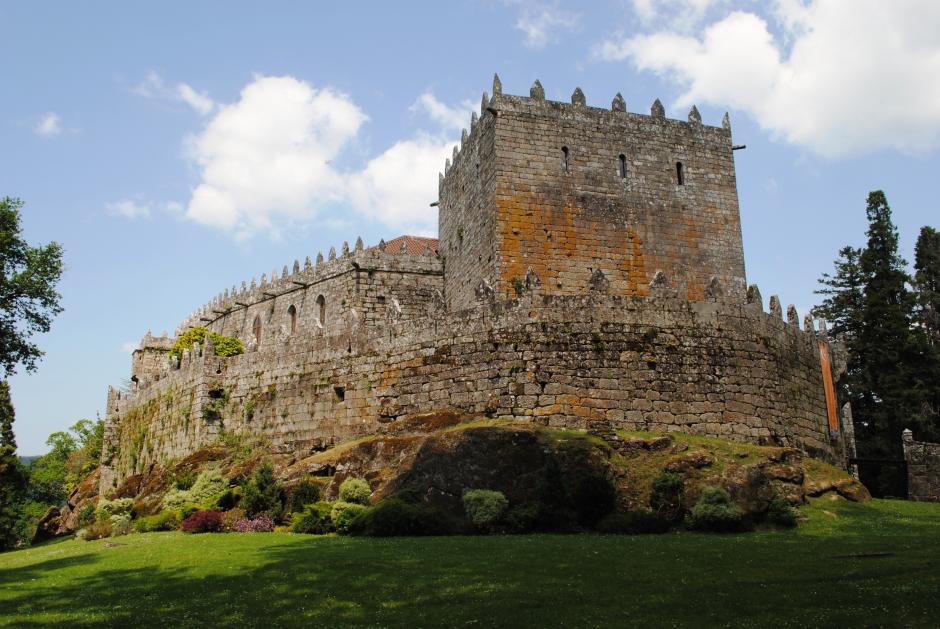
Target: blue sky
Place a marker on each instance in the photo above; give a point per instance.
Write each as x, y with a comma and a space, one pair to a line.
180, 148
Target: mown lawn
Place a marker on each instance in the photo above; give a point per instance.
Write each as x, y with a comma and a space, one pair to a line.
875, 564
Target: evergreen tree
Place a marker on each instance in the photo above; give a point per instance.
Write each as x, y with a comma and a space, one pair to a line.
927, 331
927, 282
12, 480
845, 296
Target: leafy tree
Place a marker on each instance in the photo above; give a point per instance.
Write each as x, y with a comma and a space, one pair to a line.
28, 297
12, 480
262, 494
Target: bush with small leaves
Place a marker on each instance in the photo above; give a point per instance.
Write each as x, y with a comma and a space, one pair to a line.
120, 525
780, 513
107, 508
314, 519
202, 522
484, 508
304, 493
163, 521
668, 496
715, 511
523, 518
86, 515
207, 485
355, 490
227, 500
262, 494
343, 514
398, 517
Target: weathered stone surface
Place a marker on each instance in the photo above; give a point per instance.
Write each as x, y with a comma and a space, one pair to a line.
923, 468
48, 526
540, 303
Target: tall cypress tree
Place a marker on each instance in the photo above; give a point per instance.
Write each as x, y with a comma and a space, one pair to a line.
927, 330
884, 351
12, 480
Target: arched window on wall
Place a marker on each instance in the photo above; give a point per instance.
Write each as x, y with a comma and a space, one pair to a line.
321, 310
564, 159
256, 329
622, 166
292, 313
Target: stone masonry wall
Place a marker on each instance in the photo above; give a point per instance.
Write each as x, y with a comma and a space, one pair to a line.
593, 362
923, 468
585, 218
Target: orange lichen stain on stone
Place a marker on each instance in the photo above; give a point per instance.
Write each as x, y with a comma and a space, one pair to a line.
634, 265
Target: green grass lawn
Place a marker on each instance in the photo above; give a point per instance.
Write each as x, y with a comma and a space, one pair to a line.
874, 564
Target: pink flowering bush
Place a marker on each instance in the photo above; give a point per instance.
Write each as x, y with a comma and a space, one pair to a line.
260, 524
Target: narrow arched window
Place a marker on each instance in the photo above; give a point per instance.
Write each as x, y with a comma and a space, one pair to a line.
321, 310
564, 158
292, 313
680, 176
622, 166
256, 329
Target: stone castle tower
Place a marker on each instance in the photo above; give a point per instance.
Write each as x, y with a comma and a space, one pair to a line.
589, 274
580, 194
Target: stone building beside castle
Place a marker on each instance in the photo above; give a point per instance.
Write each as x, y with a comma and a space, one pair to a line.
589, 273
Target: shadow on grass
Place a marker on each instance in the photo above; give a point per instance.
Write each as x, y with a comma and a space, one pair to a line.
766, 579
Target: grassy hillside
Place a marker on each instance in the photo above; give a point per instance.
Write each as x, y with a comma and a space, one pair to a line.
865, 564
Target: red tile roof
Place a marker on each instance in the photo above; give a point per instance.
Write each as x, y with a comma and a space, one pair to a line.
414, 245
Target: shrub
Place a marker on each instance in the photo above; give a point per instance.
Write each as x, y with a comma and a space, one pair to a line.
400, 516
120, 525
86, 515
227, 500
224, 345
638, 522
524, 517
780, 513
314, 519
230, 517
107, 508
262, 494
184, 480
355, 490
184, 511
484, 507
668, 496
594, 498
95, 530
202, 522
343, 514
208, 484
261, 524
163, 521
715, 511
303, 494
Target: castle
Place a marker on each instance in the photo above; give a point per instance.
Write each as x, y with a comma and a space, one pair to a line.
589, 274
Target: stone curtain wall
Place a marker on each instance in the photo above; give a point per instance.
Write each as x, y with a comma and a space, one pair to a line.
586, 224
593, 362
923, 468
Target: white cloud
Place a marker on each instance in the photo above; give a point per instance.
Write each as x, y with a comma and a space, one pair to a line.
153, 86
49, 125
267, 161
858, 75
397, 186
269, 155
447, 117
198, 101
128, 208
678, 15
542, 21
